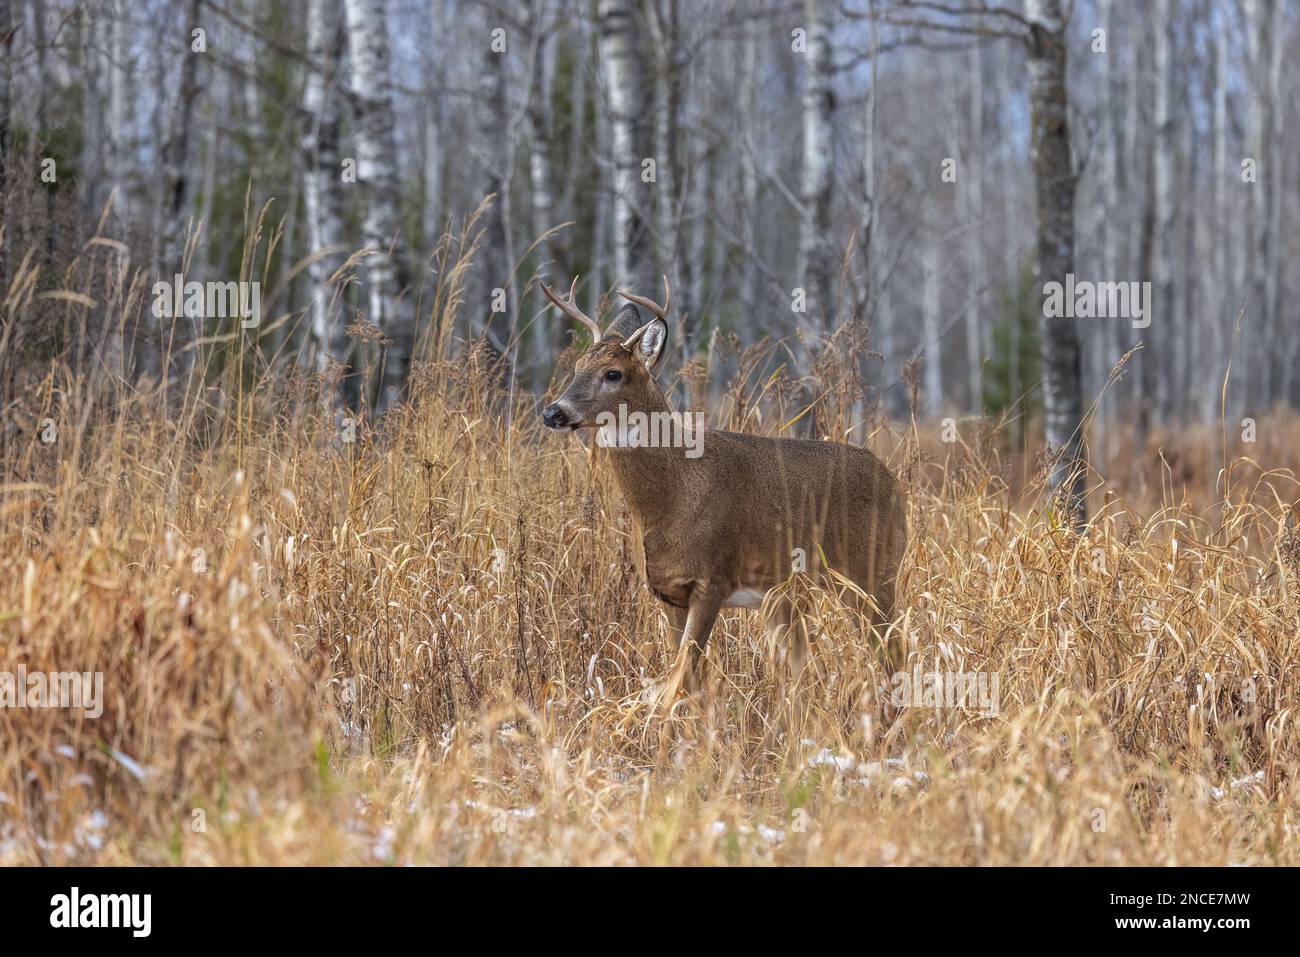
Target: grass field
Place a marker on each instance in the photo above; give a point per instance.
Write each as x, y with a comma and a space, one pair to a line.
431, 646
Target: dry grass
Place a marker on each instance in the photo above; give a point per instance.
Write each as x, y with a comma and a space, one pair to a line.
430, 646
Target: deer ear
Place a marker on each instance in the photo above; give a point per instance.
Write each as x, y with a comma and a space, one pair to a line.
650, 343
625, 323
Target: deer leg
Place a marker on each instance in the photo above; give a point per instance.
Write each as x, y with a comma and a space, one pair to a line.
705, 603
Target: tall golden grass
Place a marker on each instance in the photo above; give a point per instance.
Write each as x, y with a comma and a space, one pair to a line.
430, 646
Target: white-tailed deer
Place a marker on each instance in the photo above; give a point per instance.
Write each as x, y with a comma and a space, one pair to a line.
723, 527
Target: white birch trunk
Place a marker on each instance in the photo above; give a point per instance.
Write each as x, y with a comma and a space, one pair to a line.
668, 192
749, 172
92, 123
816, 255
323, 191
603, 221
541, 178
433, 146
1220, 275
1258, 134
116, 158
376, 148
974, 193
1280, 330
625, 89
932, 351
496, 258
1163, 308
6, 87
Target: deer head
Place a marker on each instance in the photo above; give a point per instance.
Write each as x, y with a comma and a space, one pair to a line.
619, 367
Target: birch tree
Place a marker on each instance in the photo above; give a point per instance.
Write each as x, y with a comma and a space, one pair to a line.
435, 117
1258, 134
496, 287
45, 83
117, 153
621, 41
177, 153
323, 189
816, 256
91, 66
1112, 233
376, 149
1217, 276
1054, 184
1162, 275
541, 123
602, 218
665, 26
178, 357
1272, 156
749, 168
974, 202
8, 29
540, 165
931, 321
6, 84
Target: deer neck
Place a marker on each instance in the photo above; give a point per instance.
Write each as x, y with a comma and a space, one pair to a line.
649, 478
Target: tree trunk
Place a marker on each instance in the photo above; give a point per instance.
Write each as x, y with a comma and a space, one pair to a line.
816, 257
629, 116
6, 108
1054, 190
1162, 274
697, 242
931, 320
669, 186
602, 218
541, 177
92, 110
1259, 132
177, 192
323, 193
212, 150
376, 149
432, 211
496, 272
177, 154
6, 84
117, 155
1275, 328
45, 85
1218, 277
974, 193
753, 278
1112, 233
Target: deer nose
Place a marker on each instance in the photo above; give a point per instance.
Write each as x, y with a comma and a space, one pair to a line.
553, 417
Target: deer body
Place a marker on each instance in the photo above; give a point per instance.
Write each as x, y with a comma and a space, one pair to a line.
726, 527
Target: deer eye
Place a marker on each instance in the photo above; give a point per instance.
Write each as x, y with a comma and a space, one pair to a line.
613, 375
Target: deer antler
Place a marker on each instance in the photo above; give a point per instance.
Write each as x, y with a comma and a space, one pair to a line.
644, 303
570, 308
